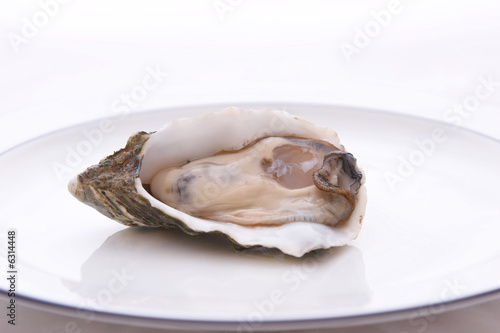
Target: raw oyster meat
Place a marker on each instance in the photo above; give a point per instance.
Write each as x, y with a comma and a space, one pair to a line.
260, 177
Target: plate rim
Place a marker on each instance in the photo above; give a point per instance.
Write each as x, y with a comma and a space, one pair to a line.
269, 325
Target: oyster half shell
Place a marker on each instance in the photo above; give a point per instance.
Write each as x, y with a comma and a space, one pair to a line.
259, 177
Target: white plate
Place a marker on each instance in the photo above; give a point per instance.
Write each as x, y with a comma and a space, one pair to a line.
429, 243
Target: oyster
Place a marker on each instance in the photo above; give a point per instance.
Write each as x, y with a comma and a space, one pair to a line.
260, 177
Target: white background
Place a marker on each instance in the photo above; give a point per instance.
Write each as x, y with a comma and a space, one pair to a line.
77, 64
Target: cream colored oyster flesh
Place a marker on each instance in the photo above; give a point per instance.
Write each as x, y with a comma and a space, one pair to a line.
260, 177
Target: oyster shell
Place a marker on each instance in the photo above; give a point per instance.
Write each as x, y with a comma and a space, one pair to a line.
260, 177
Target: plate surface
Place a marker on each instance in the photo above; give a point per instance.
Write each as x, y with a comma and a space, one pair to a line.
429, 238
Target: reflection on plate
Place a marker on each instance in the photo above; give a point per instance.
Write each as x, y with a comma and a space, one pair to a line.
429, 235
192, 273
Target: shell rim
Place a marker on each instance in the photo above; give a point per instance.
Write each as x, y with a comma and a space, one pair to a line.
324, 236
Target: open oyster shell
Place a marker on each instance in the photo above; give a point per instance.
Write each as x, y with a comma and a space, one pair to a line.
335, 198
